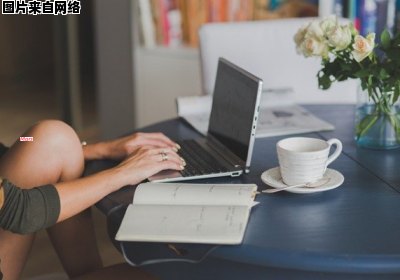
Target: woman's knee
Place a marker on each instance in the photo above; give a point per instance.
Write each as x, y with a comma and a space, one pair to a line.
53, 132
61, 141
53, 154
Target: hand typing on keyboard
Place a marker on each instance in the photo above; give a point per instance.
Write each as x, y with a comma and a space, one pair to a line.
198, 160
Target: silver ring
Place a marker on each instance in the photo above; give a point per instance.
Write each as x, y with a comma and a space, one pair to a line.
164, 156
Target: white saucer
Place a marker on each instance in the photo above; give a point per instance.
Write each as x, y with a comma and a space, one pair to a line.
272, 177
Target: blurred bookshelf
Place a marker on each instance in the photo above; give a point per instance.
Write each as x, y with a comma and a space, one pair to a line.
174, 23
166, 56
367, 15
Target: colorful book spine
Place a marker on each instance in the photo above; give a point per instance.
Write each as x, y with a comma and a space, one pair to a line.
240, 10
358, 12
274, 4
325, 7
351, 10
390, 15
147, 24
168, 21
368, 16
217, 10
338, 8
183, 9
345, 8
382, 14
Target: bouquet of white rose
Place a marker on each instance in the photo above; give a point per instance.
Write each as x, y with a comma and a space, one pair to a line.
346, 54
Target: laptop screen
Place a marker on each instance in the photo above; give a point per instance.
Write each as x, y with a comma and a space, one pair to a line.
233, 108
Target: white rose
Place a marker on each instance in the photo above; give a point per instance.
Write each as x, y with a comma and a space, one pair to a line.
328, 24
339, 37
299, 37
314, 46
363, 46
315, 30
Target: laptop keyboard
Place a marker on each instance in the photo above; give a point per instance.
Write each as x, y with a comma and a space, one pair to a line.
198, 160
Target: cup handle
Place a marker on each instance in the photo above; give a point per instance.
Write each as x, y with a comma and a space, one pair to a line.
337, 152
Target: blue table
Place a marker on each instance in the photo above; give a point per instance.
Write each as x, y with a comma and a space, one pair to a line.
352, 232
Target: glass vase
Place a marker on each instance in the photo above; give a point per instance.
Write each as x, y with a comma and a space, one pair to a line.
377, 122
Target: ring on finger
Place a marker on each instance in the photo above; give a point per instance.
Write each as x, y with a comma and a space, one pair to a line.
164, 156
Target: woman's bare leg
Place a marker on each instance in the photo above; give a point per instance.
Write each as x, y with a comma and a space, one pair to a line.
54, 155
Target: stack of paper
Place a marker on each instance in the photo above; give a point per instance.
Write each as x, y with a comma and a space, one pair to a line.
278, 115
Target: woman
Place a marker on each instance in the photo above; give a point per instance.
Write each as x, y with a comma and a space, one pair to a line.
54, 160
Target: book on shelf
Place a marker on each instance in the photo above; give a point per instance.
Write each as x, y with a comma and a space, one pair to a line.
147, 25
338, 8
384, 16
166, 22
367, 14
188, 213
326, 8
350, 9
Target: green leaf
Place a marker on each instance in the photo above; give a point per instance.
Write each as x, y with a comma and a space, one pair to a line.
369, 83
396, 92
365, 124
385, 39
363, 84
362, 73
397, 128
346, 66
383, 75
324, 81
393, 54
341, 78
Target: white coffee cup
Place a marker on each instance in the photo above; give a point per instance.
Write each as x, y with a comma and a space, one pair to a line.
304, 160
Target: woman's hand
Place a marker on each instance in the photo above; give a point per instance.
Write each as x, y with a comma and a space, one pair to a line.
147, 161
122, 147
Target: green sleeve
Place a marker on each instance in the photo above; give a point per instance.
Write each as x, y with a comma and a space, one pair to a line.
29, 210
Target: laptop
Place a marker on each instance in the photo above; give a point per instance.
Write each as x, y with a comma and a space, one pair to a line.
227, 148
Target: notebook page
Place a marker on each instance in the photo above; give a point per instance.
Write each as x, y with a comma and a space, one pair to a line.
184, 223
195, 194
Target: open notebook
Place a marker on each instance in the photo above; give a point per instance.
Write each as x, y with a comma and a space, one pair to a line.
278, 114
188, 213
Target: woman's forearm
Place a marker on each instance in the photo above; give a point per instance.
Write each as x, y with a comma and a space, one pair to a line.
95, 151
29, 210
77, 195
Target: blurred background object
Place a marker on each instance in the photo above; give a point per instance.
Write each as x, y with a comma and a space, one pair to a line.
47, 71
36, 53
